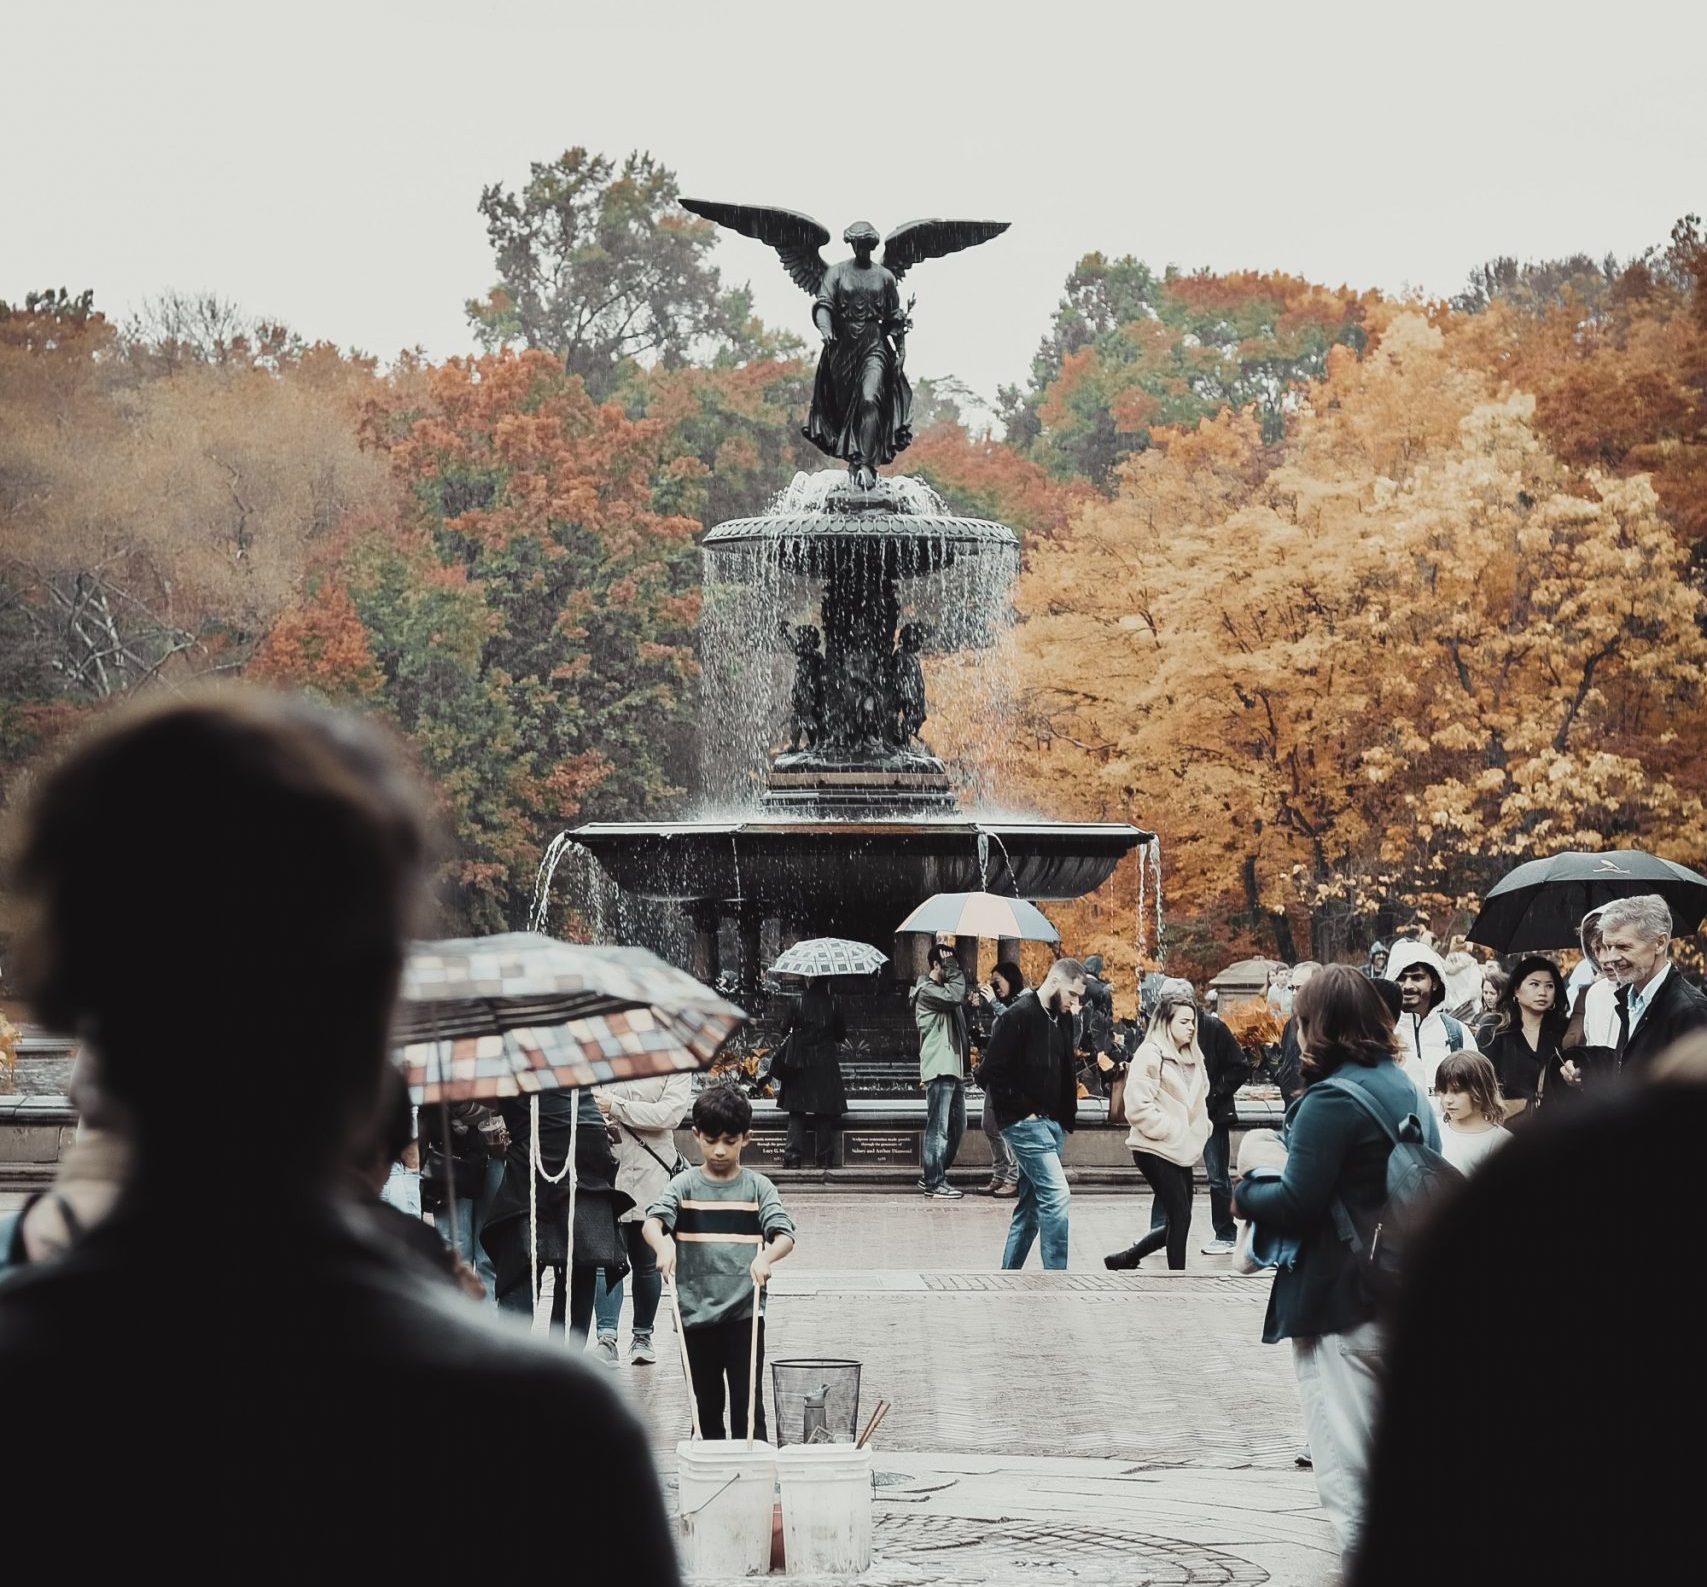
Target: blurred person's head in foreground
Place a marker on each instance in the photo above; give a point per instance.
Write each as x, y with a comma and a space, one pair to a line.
1557, 1256
217, 894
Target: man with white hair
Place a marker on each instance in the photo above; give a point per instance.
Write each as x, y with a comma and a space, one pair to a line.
1655, 1004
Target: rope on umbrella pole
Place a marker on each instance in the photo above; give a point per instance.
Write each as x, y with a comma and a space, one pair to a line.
569, 1254
536, 1172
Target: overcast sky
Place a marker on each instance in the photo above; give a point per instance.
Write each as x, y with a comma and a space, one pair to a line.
321, 163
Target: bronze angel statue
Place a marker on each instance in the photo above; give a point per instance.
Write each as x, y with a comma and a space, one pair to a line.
862, 406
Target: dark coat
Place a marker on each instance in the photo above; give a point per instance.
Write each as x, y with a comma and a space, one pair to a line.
1333, 1150
598, 1203
1028, 1066
1678, 1009
302, 1339
1289, 1072
1520, 1066
812, 1080
1225, 1065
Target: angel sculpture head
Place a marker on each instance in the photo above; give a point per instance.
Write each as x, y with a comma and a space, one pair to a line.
862, 404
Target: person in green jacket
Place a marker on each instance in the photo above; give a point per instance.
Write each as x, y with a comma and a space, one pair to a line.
939, 1010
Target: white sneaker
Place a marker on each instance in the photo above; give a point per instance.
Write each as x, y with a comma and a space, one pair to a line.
605, 1352
947, 1192
1219, 1248
640, 1351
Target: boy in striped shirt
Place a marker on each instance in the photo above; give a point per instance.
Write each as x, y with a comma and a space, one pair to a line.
718, 1230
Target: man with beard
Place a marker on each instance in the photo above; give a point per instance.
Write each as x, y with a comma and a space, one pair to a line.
1427, 1033
1029, 1079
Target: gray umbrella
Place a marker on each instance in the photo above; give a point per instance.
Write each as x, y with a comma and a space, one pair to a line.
820, 956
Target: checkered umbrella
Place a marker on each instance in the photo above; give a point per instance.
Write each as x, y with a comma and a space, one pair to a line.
819, 956
505, 1016
981, 915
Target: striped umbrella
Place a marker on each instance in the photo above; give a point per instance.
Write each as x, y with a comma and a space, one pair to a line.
981, 915
504, 1016
819, 956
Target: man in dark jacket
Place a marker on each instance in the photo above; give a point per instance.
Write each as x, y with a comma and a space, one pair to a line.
1655, 1004
1029, 1078
1289, 1074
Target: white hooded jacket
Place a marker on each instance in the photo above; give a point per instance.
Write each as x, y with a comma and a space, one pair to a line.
1425, 1041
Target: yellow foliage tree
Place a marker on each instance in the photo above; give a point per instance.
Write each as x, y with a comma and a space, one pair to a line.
1354, 678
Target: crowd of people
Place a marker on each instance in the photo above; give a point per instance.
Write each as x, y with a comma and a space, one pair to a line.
1456, 1153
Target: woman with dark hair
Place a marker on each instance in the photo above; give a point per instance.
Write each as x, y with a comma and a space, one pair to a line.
1528, 1035
812, 1093
1336, 1163
989, 1003
1486, 1020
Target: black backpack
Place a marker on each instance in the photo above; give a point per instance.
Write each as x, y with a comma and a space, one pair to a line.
1419, 1180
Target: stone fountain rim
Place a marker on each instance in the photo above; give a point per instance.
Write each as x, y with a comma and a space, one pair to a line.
839, 526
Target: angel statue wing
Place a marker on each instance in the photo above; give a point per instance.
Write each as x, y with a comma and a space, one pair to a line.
918, 240
796, 238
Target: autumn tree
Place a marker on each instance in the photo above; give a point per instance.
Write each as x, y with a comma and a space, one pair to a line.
526, 616
1620, 382
160, 512
1368, 673
1129, 353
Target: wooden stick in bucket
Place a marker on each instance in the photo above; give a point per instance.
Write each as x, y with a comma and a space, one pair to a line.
687, 1366
753, 1368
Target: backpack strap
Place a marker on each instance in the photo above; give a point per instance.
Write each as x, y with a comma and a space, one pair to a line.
1343, 1226
1455, 1037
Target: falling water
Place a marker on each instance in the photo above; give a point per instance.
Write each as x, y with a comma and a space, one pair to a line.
540, 909
958, 590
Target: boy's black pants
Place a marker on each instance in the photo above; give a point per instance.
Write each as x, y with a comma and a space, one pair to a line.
717, 1351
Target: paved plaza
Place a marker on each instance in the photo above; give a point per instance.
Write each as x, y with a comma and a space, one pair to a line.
1072, 1427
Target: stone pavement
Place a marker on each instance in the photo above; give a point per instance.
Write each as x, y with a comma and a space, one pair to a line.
1078, 1427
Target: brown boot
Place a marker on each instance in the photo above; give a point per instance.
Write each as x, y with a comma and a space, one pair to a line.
1007, 1191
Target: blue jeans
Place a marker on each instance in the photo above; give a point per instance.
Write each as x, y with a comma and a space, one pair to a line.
470, 1220
1003, 1169
1040, 1209
648, 1287
945, 1127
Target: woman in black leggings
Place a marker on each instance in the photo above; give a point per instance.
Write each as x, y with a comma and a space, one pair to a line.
1167, 1106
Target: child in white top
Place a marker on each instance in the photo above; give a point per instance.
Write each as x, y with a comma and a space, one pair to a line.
1472, 1126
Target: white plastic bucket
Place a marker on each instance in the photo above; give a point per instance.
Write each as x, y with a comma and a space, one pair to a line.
826, 1508
726, 1492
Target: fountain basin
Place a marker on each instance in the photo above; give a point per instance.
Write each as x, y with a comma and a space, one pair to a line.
825, 873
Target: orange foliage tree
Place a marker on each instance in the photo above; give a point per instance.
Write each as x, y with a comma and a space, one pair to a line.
1362, 673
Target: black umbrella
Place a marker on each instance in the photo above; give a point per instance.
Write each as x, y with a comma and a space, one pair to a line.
1541, 904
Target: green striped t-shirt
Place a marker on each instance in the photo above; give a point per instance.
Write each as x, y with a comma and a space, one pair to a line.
719, 1226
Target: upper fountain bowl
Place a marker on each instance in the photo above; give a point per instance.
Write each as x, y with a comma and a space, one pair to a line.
824, 519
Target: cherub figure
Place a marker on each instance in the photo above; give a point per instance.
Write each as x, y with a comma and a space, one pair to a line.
806, 701
906, 684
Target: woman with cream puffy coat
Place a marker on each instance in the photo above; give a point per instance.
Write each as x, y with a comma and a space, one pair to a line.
1167, 1106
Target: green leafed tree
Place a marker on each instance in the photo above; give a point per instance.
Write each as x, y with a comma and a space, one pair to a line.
600, 265
1129, 352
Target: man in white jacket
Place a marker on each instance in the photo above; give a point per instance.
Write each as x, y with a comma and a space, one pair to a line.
1427, 1033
